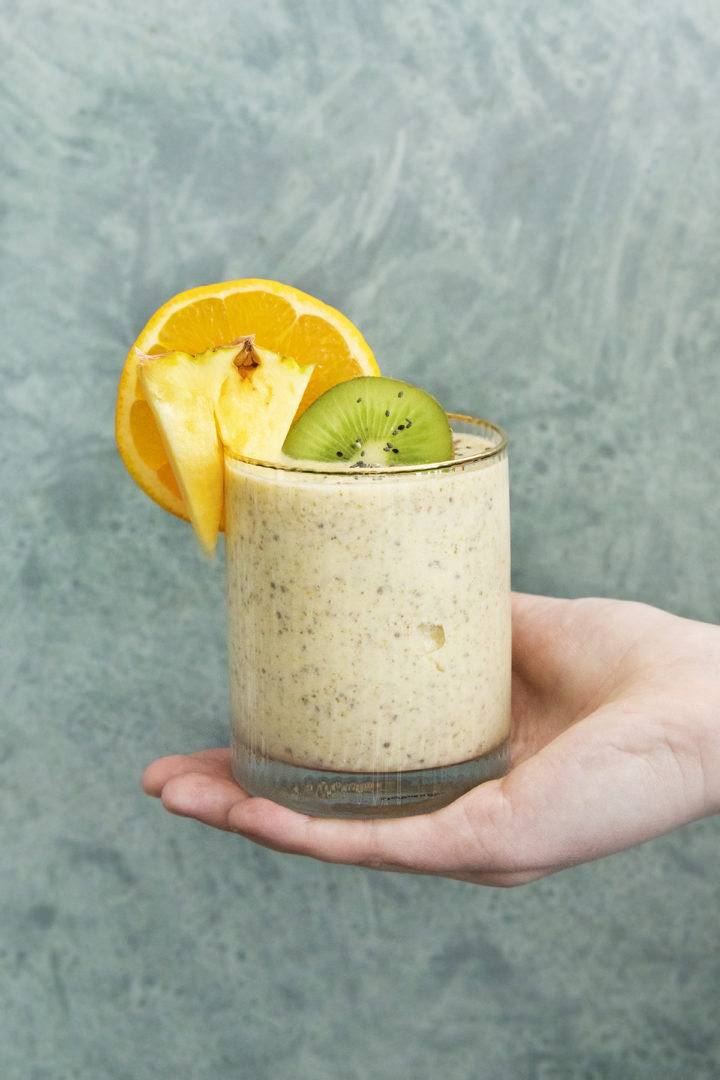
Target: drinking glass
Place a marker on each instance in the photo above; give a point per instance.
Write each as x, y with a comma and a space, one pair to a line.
369, 628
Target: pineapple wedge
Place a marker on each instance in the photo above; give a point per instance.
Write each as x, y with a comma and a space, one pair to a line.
240, 396
257, 401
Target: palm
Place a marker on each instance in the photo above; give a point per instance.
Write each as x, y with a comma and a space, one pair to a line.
600, 759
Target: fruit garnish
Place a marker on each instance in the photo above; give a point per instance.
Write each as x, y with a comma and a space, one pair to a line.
282, 318
241, 396
254, 412
370, 422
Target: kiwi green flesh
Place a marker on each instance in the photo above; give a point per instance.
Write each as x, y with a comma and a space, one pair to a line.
371, 421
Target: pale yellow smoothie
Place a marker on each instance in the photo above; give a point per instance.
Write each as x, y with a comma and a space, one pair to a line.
369, 611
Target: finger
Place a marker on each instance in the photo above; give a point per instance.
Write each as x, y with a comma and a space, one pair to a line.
209, 762
209, 799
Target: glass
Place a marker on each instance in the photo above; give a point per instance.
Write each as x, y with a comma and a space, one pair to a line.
369, 629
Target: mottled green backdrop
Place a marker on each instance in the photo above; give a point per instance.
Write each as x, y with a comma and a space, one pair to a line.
519, 205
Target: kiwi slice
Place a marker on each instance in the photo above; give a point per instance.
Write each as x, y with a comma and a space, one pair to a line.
372, 421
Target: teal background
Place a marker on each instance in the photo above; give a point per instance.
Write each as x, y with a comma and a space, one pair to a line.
518, 205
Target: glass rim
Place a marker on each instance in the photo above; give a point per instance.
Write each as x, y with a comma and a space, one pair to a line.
329, 468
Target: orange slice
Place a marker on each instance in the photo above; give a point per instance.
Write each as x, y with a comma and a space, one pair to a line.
282, 319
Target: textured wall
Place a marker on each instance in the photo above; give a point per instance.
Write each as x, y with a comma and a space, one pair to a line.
518, 204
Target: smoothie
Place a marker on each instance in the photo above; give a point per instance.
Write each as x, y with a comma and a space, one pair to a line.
369, 614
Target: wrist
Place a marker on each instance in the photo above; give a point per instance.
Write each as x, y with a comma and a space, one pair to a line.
704, 715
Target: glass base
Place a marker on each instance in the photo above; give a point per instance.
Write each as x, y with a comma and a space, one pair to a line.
323, 793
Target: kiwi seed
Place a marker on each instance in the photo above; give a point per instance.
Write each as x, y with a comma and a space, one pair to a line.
371, 421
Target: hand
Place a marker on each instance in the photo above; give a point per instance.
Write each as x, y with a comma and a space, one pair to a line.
616, 740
